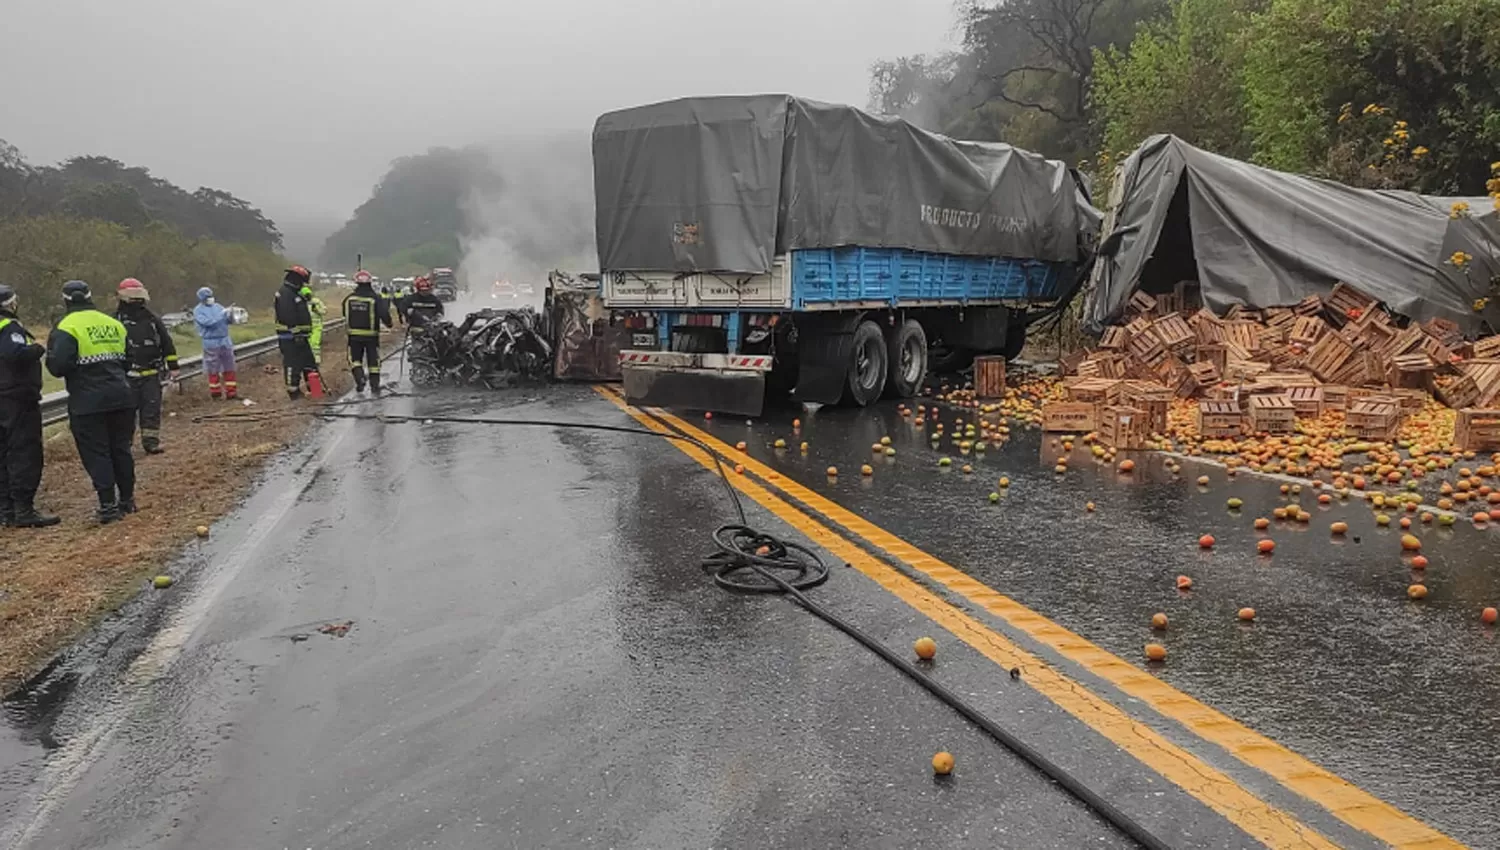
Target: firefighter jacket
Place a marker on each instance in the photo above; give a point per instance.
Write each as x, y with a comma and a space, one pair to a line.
148, 343
366, 310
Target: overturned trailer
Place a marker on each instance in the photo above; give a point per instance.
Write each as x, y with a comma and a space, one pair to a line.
747, 241
1250, 236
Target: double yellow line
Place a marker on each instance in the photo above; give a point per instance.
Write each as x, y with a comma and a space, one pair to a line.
1268, 824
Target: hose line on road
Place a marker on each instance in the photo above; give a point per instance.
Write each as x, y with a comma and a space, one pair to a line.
746, 560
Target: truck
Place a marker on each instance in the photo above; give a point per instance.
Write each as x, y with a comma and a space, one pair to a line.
444, 284
765, 245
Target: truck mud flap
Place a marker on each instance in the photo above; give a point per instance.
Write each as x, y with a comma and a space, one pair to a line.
823, 354
741, 393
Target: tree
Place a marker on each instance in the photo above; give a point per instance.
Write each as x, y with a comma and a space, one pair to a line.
112, 202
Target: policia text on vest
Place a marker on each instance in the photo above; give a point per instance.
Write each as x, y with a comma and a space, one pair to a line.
365, 311
87, 350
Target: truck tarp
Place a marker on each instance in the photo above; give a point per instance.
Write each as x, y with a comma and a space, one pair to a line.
724, 184
1265, 238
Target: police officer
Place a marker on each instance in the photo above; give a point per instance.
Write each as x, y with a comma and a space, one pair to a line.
148, 350
20, 419
421, 307
293, 329
87, 350
365, 311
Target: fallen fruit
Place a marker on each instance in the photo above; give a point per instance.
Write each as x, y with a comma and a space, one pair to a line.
994, 497
1261, 523
1004, 482
1266, 547
890, 452
1488, 616
1184, 583
161, 582
1247, 614
833, 471
1419, 562
202, 530
942, 764
740, 446
1382, 519
1445, 519
708, 415
739, 468
1158, 621
885, 441
925, 648
1235, 503
1206, 541
1203, 480
781, 444
967, 469
867, 470
1339, 527
1156, 652
1417, 591
1410, 542
1127, 465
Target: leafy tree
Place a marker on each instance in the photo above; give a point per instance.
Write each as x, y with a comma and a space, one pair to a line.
113, 202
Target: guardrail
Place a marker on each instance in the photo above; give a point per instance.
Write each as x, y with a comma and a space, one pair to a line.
55, 405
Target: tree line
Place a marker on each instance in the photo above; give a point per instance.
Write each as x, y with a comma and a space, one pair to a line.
1389, 94
95, 219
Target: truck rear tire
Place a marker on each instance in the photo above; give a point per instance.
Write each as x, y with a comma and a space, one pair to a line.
868, 366
906, 351
950, 360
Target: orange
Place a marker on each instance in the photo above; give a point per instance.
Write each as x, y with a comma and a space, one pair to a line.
1156, 652
925, 648
1206, 541
1158, 621
942, 764
1266, 547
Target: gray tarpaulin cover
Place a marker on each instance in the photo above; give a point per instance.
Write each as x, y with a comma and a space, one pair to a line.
726, 183
1265, 238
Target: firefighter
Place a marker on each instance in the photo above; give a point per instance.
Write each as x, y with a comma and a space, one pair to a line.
293, 329
148, 350
365, 310
87, 350
421, 307
20, 419
318, 310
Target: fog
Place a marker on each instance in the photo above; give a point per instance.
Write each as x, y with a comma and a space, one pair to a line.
299, 105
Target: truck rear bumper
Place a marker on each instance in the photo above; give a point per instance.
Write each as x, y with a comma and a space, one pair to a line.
727, 383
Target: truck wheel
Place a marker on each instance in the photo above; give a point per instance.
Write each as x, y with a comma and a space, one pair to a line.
868, 366
698, 340
906, 349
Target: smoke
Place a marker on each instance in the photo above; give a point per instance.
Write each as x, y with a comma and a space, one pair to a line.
539, 218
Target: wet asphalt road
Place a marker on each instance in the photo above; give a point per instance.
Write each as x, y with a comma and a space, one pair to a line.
536, 660
1399, 697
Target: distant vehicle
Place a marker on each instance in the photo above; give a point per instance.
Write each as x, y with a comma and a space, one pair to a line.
237, 315
526, 290
172, 320
503, 290
444, 284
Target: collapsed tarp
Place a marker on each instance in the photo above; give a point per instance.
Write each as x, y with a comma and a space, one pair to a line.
724, 184
1265, 238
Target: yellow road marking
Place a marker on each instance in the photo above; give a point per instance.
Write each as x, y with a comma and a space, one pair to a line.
1348, 802
1269, 825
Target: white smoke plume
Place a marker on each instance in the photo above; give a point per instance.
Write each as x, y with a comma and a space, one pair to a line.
541, 217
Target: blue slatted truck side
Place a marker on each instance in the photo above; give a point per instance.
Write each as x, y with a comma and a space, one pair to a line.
829, 325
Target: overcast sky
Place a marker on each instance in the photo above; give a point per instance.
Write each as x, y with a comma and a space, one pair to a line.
298, 105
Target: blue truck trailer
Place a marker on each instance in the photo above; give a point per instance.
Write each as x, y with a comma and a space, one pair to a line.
768, 244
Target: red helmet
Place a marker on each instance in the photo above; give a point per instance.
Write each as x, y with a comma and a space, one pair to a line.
421, 284
300, 272
362, 277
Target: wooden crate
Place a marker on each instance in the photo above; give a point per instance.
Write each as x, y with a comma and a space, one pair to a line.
989, 376
1455, 389
1244, 370
1335, 397
1374, 418
1486, 373
1153, 398
1168, 304
1244, 334
1487, 348
1089, 369
1272, 413
1342, 300
1070, 361
1445, 332
1405, 341
1205, 373
1115, 338
1307, 401
1122, 427
1329, 355
1219, 418
1312, 305
1412, 400
1280, 317
1306, 331
1216, 353
1147, 348
1477, 430
1435, 348
1411, 371
1108, 364
1078, 417
1174, 333
1138, 325
1272, 337
1140, 302
1279, 381
1093, 391
1207, 326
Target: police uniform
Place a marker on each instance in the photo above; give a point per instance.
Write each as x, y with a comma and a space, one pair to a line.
87, 350
365, 310
148, 350
20, 423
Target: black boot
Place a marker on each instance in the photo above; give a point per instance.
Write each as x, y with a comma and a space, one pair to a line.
152, 445
7, 515
127, 505
27, 516
109, 508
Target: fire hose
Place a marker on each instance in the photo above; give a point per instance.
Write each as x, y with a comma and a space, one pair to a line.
747, 560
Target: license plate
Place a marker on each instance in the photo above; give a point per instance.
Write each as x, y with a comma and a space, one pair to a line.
643, 340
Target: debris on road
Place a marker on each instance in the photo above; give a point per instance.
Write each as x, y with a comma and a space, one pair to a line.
942, 763
490, 347
338, 629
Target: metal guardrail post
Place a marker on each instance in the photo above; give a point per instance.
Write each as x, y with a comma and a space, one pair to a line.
55, 405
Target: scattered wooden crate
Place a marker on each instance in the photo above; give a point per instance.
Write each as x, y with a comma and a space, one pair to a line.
1216, 353
1174, 333
1122, 427
1306, 401
1142, 303
1272, 413
1153, 398
1306, 331
1204, 372
1312, 305
1345, 304
1486, 374
1374, 418
989, 376
1244, 334
1335, 397
1115, 338
1329, 356
1244, 370
1455, 389
1078, 417
1449, 334
1220, 418
1411, 370
1412, 401
1487, 348
1477, 430
1094, 391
